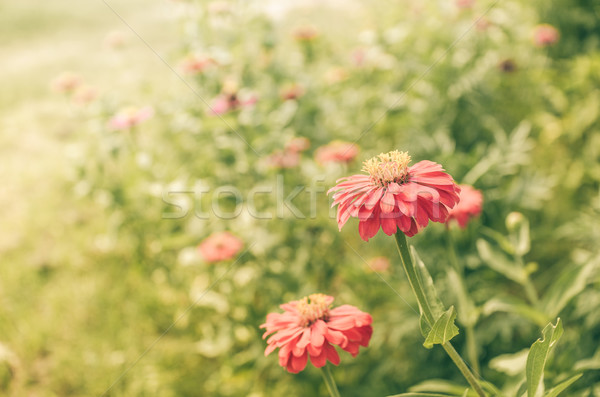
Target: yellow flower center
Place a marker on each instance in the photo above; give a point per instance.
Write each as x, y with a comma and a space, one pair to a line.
388, 167
312, 308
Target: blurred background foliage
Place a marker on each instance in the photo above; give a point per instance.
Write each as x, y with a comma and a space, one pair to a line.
98, 250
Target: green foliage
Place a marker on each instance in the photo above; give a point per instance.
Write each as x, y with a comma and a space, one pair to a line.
443, 329
537, 357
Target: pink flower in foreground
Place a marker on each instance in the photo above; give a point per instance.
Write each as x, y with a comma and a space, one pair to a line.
336, 152
130, 117
220, 246
395, 196
310, 328
545, 35
468, 207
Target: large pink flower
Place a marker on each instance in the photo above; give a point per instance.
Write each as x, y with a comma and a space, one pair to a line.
220, 246
395, 196
310, 328
468, 207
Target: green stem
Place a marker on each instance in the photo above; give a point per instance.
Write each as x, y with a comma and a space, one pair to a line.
472, 348
417, 287
470, 330
530, 292
329, 381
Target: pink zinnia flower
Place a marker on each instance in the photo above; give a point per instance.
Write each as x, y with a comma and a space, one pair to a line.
468, 207
220, 246
395, 196
310, 328
336, 152
545, 35
379, 264
130, 117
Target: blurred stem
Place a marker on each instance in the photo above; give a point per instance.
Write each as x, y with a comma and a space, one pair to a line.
530, 290
329, 381
417, 287
472, 352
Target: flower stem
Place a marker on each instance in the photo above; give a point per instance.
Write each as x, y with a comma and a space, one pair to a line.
417, 287
329, 381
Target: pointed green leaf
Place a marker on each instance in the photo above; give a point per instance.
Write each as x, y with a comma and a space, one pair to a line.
427, 282
510, 364
443, 330
556, 390
516, 306
568, 285
439, 386
538, 354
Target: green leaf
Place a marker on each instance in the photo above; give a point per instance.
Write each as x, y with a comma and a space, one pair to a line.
516, 306
510, 364
523, 243
498, 262
467, 312
568, 285
436, 305
538, 354
556, 390
443, 330
420, 395
439, 386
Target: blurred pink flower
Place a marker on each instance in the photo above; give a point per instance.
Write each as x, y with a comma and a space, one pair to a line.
336, 152
220, 246
464, 3
379, 264
284, 159
219, 8
395, 196
305, 33
193, 64
468, 207
310, 328
292, 91
114, 39
84, 94
298, 144
336, 75
66, 82
229, 102
130, 117
545, 35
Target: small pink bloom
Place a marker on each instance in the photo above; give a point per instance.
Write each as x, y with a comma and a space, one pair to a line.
130, 117
194, 64
464, 3
299, 144
284, 159
395, 196
114, 39
84, 94
336, 152
545, 35
67, 82
359, 57
220, 246
468, 207
228, 102
379, 264
293, 91
310, 328
336, 75
305, 33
